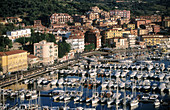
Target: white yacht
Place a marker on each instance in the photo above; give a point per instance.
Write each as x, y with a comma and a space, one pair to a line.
154, 86
54, 82
161, 76
139, 75
95, 100
162, 86
133, 74
117, 73
134, 102
124, 73
153, 96
76, 99
157, 102
60, 81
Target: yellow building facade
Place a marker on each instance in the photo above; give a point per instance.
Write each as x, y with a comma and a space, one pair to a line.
12, 61
167, 23
151, 41
111, 33
131, 26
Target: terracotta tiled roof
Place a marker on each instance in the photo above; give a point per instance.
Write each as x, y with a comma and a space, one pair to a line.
11, 52
31, 56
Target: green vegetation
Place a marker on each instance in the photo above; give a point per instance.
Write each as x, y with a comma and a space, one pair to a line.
7, 27
37, 37
63, 49
22, 40
30, 10
1, 68
5, 43
89, 47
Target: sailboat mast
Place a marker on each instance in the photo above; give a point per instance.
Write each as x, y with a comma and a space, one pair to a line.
3, 99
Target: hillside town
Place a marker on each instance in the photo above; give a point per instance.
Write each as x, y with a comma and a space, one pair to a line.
114, 29
101, 59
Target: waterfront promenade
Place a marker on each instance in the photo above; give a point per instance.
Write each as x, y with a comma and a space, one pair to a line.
18, 77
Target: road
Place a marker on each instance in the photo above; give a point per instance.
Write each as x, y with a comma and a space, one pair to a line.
10, 79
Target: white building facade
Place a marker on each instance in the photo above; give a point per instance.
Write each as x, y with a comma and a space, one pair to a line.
131, 40
13, 35
76, 41
47, 52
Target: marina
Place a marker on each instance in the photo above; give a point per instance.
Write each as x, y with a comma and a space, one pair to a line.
91, 84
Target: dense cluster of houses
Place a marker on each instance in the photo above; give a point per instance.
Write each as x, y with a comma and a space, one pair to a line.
116, 29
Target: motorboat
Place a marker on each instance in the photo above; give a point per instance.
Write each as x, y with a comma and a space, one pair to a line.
161, 76
76, 99
145, 75
145, 96
153, 96
151, 74
134, 102
162, 86
154, 86
117, 73
133, 74
95, 100
66, 98
139, 75
88, 100
157, 102
60, 81
110, 101
122, 85
103, 100
124, 73
54, 82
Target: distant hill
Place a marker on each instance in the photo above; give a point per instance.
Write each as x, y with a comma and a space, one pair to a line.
31, 10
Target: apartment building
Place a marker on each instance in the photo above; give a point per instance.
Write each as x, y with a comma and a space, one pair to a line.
151, 40
93, 15
156, 28
166, 23
60, 18
131, 26
13, 35
12, 61
32, 61
118, 42
131, 40
134, 32
153, 18
111, 33
121, 13
76, 41
143, 32
47, 52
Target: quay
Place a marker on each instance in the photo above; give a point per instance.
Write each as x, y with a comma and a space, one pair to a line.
35, 74
30, 74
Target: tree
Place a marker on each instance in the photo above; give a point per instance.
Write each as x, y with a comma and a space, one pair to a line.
22, 40
63, 49
5, 42
37, 37
89, 47
1, 68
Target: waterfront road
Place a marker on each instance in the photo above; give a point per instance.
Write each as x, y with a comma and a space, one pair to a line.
19, 78
22, 75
